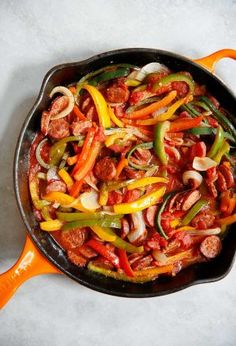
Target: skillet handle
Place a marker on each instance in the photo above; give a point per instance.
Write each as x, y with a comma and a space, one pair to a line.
30, 263
209, 61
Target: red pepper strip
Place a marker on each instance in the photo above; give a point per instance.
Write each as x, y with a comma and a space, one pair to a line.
84, 153
184, 124
89, 162
124, 263
104, 251
78, 113
75, 189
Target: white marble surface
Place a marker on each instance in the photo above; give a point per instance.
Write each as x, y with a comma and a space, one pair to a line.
53, 310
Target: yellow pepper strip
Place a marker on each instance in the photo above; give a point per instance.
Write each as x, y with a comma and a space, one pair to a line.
223, 150
64, 199
111, 139
65, 176
146, 181
228, 220
174, 223
34, 193
164, 116
100, 104
103, 196
104, 233
132, 82
185, 228
152, 272
51, 225
140, 204
113, 117
45, 213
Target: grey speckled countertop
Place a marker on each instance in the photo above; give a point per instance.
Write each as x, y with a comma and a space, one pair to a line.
34, 36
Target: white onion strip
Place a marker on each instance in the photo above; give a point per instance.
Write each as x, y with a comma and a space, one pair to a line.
71, 101
203, 163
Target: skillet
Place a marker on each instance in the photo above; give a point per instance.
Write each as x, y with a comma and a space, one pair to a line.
41, 253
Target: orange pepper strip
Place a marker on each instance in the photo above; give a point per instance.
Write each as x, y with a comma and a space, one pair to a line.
75, 189
121, 165
184, 124
139, 114
89, 162
73, 90
78, 113
71, 160
228, 220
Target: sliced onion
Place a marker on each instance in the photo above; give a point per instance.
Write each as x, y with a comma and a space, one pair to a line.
159, 111
38, 154
52, 174
203, 163
89, 181
71, 101
151, 171
175, 152
139, 228
89, 200
205, 232
160, 257
152, 67
192, 175
42, 176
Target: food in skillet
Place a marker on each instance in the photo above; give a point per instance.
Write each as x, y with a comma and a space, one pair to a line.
132, 172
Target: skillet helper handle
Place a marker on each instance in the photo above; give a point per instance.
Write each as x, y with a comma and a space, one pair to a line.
209, 61
30, 263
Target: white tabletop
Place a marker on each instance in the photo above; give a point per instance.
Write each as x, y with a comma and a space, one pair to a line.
53, 310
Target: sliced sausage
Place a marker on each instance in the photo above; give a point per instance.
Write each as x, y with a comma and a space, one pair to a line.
124, 228
58, 105
221, 183
103, 263
45, 120
80, 127
114, 197
142, 263
74, 238
143, 154
117, 93
58, 129
212, 189
180, 87
133, 173
131, 195
211, 246
76, 259
190, 199
56, 185
105, 169
149, 215
228, 175
203, 220
87, 251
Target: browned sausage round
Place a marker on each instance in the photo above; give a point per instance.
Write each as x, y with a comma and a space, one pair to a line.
124, 228
117, 93
149, 215
203, 220
221, 182
74, 238
56, 185
76, 259
211, 246
228, 175
45, 119
58, 129
80, 127
105, 169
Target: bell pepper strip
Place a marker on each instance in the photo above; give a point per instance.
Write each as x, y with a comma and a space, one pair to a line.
217, 144
185, 229
175, 77
104, 233
64, 200
122, 244
196, 208
132, 82
140, 276
143, 102
104, 251
184, 124
159, 227
227, 220
227, 202
114, 118
221, 152
34, 193
140, 204
147, 145
100, 104
72, 89
143, 112
142, 182
159, 135
202, 131
89, 163
110, 140
124, 263
51, 225
201, 105
58, 149
75, 188
103, 195
121, 165
105, 222
77, 112
65, 176
71, 160
223, 120
85, 216
191, 110
108, 75
164, 116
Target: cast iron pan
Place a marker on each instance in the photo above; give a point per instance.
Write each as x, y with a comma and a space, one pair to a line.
41, 254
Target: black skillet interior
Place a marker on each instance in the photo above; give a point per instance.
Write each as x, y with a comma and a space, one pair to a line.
72, 72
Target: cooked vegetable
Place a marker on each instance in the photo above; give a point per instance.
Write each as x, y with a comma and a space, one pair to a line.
71, 101
217, 142
175, 77
194, 211
160, 131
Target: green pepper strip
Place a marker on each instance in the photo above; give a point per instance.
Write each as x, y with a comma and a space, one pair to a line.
193, 112
58, 149
201, 104
208, 131
175, 77
85, 216
108, 75
194, 211
148, 145
217, 144
221, 152
122, 244
159, 134
159, 228
106, 222
227, 125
